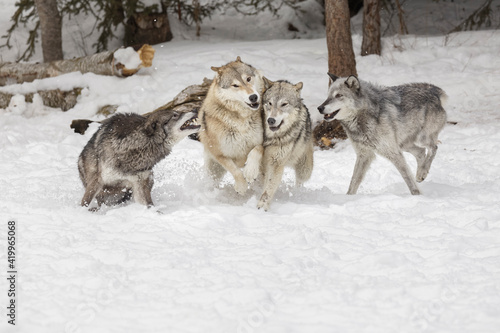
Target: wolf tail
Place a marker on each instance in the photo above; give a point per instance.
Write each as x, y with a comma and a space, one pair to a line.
81, 125
443, 97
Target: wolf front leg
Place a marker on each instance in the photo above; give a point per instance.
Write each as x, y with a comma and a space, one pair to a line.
364, 159
253, 164
272, 179
240, 184
304, 167
92, 188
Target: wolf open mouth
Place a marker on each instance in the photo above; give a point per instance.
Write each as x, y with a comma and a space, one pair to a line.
192, 123
275, 128
331, 115
254, 105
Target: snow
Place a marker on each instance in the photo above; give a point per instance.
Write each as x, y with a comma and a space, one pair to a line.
127, 57
318, 261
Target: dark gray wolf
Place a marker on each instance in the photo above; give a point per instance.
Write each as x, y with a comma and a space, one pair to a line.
231, 124
287, 137
117, 162
387, 121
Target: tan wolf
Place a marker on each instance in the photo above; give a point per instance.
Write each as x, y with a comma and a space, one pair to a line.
287, 137
231, 124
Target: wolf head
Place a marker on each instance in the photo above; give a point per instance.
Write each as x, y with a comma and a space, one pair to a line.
342, 96
282, 103
239, 83
171, 126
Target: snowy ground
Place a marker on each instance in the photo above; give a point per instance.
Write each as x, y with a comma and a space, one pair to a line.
319, 261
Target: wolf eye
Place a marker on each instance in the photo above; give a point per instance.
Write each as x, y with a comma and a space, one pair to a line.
271, 104
249, 79
338, 95
175, 115
284, 104
236, 86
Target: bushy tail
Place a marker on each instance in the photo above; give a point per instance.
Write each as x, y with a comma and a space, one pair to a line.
81, 125
443, 98
441, 94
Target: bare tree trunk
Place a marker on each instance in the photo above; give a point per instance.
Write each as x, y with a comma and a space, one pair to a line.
341, 61
371, 28
101, 63
403, 30
51, 25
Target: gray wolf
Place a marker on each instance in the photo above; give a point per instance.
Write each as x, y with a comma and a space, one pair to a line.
387, 121
231, 124
117, 162
287, 137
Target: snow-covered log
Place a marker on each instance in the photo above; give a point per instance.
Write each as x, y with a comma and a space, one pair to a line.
56, 98
122, 62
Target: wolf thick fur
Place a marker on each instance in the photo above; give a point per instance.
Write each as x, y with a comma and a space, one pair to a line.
231, 124
388, 121
287, 137
117, 162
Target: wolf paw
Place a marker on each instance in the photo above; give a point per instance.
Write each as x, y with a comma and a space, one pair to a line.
241, 187
415, 192
251, 172
421, 175
263, 204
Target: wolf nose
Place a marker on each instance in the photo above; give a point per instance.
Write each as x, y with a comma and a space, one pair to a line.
321, 108
253, 98
271, 121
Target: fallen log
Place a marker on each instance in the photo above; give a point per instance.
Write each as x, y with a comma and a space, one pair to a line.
51, 98
121, 62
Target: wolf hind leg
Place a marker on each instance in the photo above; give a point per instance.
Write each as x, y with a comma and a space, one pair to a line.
400, 163
431, 144
364, 159
424, 171
420, 156
92, 188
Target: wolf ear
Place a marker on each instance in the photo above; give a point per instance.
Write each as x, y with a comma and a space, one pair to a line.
267, 83
352, 82
298, 86
333, 77
215, 69
151, 127
238, 59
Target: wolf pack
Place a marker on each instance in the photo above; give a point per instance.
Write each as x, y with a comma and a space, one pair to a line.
253, 128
